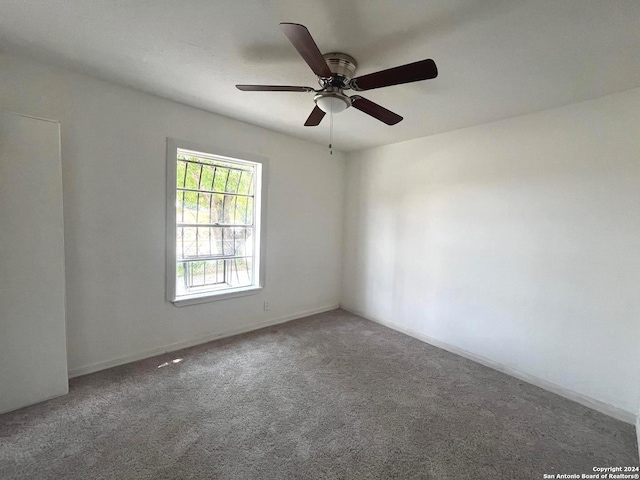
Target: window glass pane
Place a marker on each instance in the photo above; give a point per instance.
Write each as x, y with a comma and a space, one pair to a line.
221, 179
192, 176
182, 166
243, 211
197, 241
239, 272
251, 185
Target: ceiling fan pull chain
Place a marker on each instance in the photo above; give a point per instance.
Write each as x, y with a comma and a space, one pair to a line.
331, 130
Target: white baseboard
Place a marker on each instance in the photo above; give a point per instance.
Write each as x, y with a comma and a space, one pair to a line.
589, 402
172, 347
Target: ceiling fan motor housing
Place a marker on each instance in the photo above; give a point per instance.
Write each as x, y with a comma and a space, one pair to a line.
341, 64
331, 99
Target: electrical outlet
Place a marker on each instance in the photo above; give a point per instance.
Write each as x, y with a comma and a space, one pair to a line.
266, 306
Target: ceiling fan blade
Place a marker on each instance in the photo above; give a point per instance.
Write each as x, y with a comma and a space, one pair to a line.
315, 118
375, 110
412, 72
272, 88
300, 37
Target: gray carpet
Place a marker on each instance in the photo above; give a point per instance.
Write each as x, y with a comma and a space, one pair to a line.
328, 396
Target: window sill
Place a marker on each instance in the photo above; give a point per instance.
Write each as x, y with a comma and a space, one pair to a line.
214, 297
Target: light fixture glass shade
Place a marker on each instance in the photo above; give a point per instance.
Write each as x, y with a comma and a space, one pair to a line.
329, 103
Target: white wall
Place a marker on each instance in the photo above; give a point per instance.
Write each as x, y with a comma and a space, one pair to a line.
516, 241
113, 155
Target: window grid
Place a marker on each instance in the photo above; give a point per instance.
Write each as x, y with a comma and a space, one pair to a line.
215, 224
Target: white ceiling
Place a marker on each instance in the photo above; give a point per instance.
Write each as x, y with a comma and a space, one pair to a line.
496, 58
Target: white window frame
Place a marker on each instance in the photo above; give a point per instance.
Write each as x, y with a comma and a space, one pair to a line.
260, 202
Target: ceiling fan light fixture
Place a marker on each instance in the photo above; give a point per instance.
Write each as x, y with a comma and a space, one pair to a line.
332, 102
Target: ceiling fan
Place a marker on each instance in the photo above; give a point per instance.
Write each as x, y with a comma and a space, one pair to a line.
335, 72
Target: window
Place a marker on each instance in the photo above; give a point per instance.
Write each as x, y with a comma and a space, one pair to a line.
215, 209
